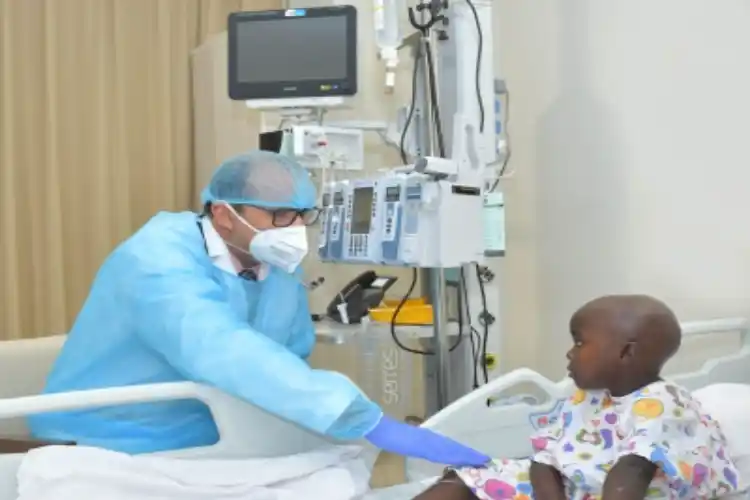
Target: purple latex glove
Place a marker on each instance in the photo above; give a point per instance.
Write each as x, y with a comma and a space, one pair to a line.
417, 442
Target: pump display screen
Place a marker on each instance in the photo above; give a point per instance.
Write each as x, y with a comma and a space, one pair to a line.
362, 210
338, 199
326, 199
392, 193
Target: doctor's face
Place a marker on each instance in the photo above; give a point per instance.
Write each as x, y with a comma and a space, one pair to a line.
240, 226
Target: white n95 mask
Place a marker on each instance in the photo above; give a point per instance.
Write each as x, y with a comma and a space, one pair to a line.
283, 247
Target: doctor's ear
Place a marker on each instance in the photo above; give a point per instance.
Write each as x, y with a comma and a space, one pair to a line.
219, 214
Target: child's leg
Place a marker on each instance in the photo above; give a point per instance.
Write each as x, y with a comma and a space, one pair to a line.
450, 487
500, 480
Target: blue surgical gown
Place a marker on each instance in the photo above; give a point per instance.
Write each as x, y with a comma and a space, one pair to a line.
161, 311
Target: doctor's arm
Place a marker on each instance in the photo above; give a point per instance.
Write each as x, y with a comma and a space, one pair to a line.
390, 434
180, 312
302, 341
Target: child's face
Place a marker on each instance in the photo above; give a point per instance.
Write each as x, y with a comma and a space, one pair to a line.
595, 356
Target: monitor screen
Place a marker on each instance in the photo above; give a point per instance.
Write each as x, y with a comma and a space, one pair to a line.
362, 210
293, 53
271, 141
294, 50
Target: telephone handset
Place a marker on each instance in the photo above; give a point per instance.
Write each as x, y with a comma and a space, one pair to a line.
361, 294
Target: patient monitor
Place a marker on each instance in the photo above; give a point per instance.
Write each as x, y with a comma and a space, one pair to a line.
279, 58
299, 63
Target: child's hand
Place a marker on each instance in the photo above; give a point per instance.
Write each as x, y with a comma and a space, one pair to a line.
546, 482
629, 479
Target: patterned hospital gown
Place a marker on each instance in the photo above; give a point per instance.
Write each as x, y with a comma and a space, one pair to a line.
661, 422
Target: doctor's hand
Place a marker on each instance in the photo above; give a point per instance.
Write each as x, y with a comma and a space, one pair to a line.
417, 442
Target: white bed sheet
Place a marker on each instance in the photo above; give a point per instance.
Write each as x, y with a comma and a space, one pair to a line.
55, 472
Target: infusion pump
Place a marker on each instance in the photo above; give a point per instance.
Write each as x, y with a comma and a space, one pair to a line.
330, 246
401, 220
361, 222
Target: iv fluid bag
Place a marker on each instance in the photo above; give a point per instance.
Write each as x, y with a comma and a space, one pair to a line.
386, 19
494, 224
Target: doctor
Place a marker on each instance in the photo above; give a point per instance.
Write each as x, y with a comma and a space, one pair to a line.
217, 299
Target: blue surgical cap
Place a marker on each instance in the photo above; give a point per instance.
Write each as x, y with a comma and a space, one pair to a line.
261, 179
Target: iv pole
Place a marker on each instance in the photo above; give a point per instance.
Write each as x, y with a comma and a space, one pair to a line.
432, 279
462, 62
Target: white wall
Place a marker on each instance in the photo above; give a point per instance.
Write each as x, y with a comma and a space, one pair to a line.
629, 123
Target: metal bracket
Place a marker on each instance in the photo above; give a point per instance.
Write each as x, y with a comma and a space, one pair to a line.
433, 8
486, 318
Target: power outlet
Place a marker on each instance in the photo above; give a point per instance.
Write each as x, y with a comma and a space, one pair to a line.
490, 361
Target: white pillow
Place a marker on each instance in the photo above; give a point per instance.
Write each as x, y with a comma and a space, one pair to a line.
729, 404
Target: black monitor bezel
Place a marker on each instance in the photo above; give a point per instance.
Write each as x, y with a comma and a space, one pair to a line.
244, 91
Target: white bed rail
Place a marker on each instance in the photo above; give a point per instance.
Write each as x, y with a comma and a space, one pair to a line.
244, 430
712, 326
505, 428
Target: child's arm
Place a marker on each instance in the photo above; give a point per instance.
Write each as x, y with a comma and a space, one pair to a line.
545, 479
546, 482
629, 479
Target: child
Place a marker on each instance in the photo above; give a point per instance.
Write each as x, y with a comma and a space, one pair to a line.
624, 434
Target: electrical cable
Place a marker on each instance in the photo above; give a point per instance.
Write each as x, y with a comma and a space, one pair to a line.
501, 173
477, 359
412, 106
460, 286
475, 338
398, 310
508, 153
485, 324
480, 47
478, 339
434, 104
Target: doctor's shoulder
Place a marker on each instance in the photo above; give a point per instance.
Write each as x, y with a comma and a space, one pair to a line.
168, 239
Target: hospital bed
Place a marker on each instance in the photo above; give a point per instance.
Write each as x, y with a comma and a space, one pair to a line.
24, 366
479, 419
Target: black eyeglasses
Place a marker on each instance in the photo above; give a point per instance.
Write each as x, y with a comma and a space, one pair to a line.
285, 217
